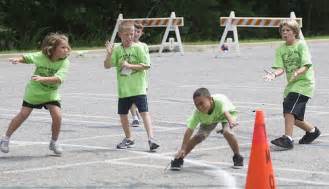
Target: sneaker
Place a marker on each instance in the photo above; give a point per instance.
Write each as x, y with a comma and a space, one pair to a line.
310, 137
176, 164
237, 161
283, 142
135, 123
153, 145
126, 143
56, 148
4, 146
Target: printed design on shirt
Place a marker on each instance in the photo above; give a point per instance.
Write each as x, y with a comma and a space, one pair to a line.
291, 59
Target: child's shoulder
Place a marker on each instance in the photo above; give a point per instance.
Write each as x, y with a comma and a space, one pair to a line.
218, 96
34, 54
137, 45
35, 57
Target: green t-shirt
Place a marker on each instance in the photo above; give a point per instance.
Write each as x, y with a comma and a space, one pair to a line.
290, 58
222, 104
134, 83
37, 92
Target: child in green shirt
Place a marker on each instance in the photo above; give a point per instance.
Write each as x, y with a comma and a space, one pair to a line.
294, 59
211, 110
42, 90
138, 33
131, 63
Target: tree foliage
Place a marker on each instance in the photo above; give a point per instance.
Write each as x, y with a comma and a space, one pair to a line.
23, 23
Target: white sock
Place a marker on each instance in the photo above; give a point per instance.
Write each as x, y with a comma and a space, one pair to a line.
290, 138
6, 138
312, 130
53, 141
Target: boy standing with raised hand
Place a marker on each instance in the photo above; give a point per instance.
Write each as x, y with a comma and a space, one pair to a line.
131, 63
294, 59
211, 110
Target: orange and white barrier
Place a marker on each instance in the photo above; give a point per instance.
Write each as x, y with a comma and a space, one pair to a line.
260, 22
171, 23
231, 23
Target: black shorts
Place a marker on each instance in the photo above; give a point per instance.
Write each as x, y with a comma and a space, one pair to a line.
295, 104
140, 101
43, 105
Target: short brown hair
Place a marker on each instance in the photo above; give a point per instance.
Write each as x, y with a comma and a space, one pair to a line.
292, 24
125, 25
51, 41
138, 26
201, 92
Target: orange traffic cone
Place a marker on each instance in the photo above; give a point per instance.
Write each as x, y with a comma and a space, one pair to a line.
260, 173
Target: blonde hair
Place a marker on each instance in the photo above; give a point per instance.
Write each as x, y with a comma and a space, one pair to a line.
51, 41
292, 24
126, 25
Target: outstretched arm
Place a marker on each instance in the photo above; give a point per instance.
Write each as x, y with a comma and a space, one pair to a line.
231, 121
270, 75
187, 136
17, 60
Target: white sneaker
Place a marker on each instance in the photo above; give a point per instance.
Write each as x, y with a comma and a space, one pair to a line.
4, 146
56, 148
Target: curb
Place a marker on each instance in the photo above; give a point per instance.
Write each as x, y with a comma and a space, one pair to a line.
154, 48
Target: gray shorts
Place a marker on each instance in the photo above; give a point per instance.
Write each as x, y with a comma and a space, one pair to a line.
205, 130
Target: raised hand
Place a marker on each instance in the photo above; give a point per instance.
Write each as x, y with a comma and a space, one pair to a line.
109, 47
14, 60
269, 76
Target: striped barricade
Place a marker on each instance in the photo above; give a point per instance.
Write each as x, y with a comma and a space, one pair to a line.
231, 23
259, 22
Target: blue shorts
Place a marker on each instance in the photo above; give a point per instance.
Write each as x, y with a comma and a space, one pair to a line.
295, 104
43, 105
140, 101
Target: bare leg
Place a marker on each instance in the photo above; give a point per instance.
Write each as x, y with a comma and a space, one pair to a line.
125, 125
17, 121
232, 141
289, 121
147, 124
56, 116
304, 125
195, 140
